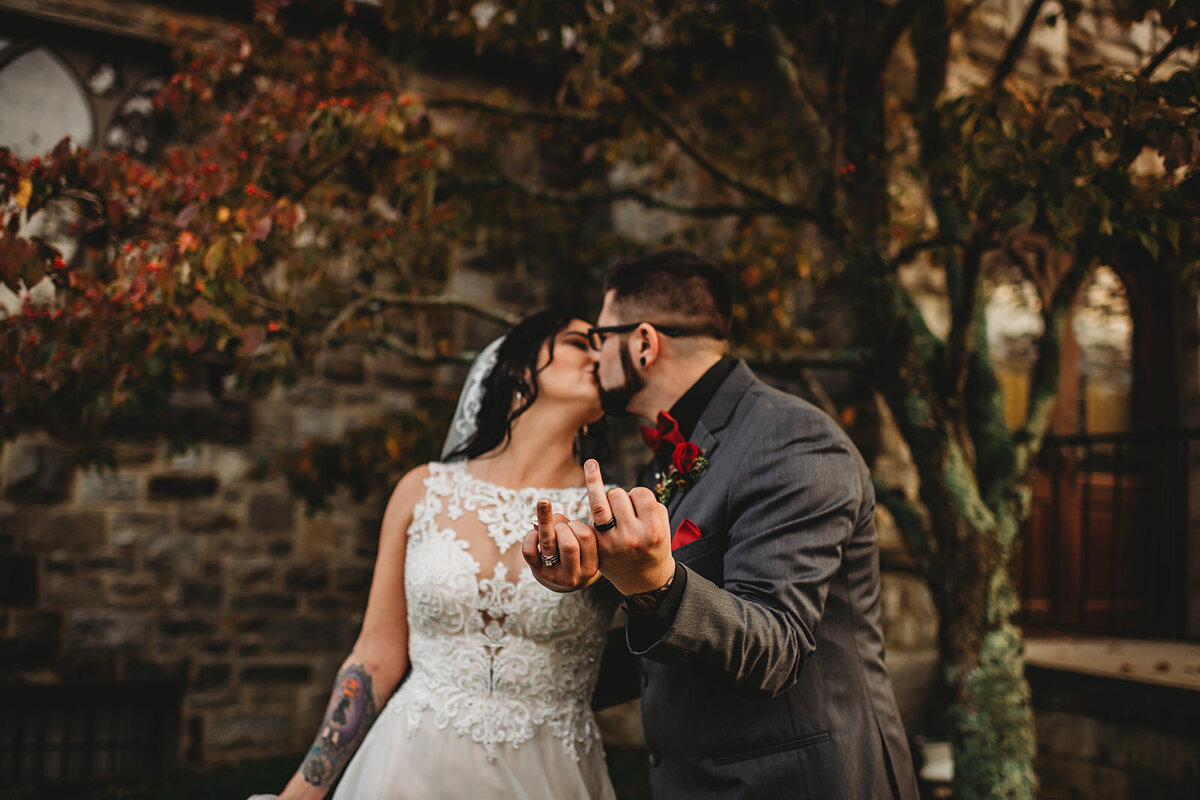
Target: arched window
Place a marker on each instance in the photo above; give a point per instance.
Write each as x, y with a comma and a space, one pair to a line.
41, 101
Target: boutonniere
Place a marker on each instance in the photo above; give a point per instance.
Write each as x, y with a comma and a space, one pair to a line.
688, 465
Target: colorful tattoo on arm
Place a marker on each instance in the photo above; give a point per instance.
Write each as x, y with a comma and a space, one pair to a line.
350, 715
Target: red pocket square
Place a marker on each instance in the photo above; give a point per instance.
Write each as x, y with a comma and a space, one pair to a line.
686, 533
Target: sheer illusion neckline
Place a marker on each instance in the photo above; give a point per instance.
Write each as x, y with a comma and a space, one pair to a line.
460, 467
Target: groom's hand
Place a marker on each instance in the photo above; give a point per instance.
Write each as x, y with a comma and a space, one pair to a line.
568, 543
635, 554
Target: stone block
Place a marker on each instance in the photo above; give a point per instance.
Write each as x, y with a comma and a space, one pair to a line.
130, 528
366, 541
296, 634
194, 459
171, 555
38, 473
37, 624
111, 630
249, 573
269, 512
230, 466
398, 403
311, 395
353, 578
107, 486
181, 487
234, 731
107, 562
331, 602
263, 601
216, 647
318, 423
306, 577
135, 453
141, 669
47, 531
360, 397
18, 579
279, 547
201, 594
70, 590
275, 673
217, 697
134, 591
191, 625
211, 675
60, 562
205, 519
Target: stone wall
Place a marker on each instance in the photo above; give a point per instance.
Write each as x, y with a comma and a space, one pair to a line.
199, 567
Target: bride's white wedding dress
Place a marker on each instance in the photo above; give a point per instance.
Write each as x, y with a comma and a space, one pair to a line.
497, 701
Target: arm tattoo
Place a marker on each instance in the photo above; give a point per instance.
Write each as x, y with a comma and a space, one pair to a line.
645, 603
350, 715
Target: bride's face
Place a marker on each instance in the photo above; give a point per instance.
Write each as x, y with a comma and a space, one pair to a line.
569, 378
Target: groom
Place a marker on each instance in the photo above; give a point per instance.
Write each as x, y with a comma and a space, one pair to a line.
753, 596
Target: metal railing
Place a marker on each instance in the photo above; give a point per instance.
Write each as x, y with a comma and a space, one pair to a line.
1104, 551
82, 734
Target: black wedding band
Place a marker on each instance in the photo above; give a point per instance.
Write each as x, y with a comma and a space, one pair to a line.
606, 526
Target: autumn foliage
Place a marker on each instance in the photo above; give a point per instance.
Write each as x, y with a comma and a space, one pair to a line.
304, 185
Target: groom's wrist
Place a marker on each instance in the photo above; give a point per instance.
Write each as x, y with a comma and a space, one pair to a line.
659, 599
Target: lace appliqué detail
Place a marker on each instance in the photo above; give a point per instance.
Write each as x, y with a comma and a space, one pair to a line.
496, 658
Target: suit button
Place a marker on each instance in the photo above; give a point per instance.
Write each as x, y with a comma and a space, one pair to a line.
655, 758
645, 678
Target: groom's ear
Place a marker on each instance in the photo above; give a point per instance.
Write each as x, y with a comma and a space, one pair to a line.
645, 345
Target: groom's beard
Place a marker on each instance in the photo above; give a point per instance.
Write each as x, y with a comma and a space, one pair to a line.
615, 400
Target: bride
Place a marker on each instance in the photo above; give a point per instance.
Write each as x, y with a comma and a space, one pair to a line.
500, 669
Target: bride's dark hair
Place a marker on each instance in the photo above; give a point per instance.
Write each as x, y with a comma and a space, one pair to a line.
515, 373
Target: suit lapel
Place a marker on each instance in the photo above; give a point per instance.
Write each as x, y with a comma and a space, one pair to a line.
715, 418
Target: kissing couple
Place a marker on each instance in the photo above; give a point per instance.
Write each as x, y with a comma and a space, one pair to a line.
746, 563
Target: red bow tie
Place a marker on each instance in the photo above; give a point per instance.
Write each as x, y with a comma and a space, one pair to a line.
667, 434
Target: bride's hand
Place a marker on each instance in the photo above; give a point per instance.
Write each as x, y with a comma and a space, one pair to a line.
561, 552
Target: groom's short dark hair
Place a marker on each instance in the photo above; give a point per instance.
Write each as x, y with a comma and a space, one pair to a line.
672, 287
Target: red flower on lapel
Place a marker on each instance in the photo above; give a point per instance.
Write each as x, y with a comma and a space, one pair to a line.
686, 533
684, 457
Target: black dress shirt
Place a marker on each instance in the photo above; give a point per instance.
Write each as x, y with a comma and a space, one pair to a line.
686, 411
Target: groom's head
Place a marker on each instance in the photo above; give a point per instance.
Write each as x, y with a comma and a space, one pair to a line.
672, 311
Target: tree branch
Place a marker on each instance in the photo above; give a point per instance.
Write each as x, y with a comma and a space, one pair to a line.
703, 159
899, 17
524, 114
1183, 37
1016, 45
909, 252
347, 313
612, 195
801, 92
1043, 387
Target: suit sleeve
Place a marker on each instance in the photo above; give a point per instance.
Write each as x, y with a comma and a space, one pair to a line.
791, 511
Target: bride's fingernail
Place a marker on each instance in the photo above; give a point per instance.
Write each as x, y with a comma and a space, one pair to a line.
590, 467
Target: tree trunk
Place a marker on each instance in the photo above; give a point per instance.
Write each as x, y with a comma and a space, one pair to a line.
990, 718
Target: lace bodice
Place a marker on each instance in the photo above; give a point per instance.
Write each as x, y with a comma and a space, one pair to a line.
497, 655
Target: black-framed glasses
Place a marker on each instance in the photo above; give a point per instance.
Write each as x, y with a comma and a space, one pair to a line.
596, 335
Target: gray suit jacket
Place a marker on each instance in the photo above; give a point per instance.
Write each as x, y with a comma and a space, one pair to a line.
770, 680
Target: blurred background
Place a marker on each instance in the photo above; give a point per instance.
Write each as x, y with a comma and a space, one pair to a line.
240, 300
